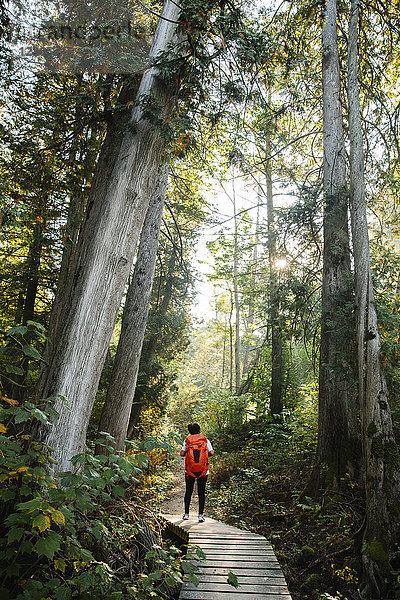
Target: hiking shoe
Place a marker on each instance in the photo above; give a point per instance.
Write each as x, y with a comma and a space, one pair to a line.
201, 519
185, 516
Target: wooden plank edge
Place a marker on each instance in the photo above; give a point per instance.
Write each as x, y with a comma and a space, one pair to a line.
234, 595
176, 529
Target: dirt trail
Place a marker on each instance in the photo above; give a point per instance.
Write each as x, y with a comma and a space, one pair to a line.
173, 504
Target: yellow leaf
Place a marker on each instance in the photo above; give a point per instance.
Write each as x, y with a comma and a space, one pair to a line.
42, 522
58, 517
60, 564
8, 400
3, 429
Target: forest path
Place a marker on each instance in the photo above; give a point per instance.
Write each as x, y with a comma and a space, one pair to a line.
227, 549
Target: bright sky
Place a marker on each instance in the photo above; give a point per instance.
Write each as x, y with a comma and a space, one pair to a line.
222, 200
221, 197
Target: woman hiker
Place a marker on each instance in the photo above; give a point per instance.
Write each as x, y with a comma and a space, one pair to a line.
196, 449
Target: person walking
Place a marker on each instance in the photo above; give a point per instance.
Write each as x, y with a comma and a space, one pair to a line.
196, 449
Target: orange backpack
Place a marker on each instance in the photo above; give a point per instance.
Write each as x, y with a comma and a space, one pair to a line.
196, 457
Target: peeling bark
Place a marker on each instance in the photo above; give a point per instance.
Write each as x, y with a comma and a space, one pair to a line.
110, 235
336, 424
76, 213
118, 403
380, 452
149, 349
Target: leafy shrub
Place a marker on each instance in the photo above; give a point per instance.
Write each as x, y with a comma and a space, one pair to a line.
73, 535
19, 355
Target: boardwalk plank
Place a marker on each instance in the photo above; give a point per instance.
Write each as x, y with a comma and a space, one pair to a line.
236, 564
244, 578
229, 549
242, 536
232, 545
256, 588
234, 595
269, 574
221, 545
236, 552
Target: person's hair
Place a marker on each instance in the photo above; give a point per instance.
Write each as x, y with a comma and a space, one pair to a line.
193, 428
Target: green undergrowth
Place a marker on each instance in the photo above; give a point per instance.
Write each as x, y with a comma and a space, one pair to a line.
86, 533
258, 475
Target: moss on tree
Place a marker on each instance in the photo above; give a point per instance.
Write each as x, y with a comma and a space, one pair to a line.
377, 448
391, 456
377, 551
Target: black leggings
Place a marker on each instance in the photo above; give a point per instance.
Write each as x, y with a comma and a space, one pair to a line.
201, 490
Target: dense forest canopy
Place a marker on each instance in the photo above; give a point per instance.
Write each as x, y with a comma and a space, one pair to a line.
239, 150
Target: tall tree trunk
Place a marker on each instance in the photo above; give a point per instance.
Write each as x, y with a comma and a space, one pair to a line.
250, 314
276, 403
380, 452
336, 389
223, 356
105, 259
118, 403
236, 299
150, 346
231, 347
76, 211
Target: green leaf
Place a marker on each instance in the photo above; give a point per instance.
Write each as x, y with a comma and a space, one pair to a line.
83, 554
19, 330
232, 579
7, 495
40, 416
21, 415
48, 545
62, 593
151, 577
37, 325
39, 471
31, 351
118, 490
142, 459
29, 506
200, 553
14, 370
193, 579
27, 547
85, 581
95, 531
69, 479
51, 412
15, 534
187, 566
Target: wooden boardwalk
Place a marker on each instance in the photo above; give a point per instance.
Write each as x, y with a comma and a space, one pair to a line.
248, 555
